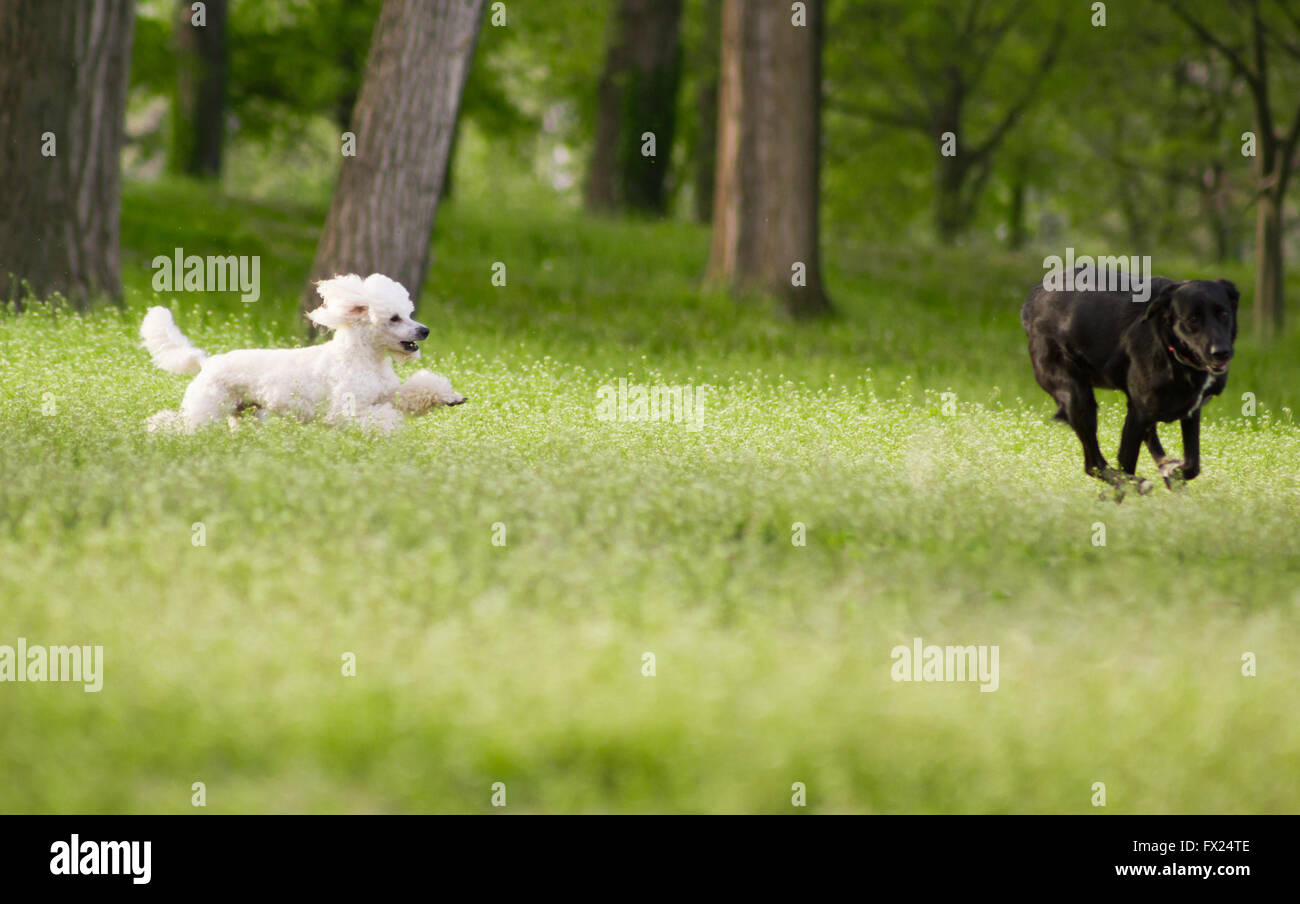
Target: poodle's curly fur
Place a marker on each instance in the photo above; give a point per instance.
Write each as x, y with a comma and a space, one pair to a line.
349, 379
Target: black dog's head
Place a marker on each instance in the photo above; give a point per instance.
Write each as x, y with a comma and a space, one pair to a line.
1202, 318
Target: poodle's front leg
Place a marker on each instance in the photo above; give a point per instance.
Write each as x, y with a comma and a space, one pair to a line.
383, 418
425, 391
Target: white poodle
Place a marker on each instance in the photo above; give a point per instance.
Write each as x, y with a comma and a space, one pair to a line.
349, 379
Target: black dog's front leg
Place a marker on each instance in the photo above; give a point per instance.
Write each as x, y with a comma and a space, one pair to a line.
1191, 446
1137, 428
1167, 466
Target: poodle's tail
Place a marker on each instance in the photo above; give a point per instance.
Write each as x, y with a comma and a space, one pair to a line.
168, 346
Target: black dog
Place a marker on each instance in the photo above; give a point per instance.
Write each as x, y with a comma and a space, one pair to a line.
1167, 356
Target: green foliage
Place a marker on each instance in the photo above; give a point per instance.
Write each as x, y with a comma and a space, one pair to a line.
1115, 151
1133, 121
289, 61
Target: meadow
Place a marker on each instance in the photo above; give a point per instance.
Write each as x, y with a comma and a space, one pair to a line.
960, 519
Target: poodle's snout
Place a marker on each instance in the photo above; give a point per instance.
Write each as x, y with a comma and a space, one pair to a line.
423, 332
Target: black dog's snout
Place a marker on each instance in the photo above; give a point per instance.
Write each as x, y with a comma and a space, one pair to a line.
424, 332
1221, 354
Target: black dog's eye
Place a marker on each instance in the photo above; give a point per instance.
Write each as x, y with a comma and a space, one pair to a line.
394, 318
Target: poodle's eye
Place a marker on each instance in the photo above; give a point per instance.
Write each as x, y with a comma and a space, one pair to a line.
394, 319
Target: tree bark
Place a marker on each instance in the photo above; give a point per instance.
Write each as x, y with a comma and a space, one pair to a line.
1273, 170
199, 107
767, 197
706, 108
386, 198
63, 80
637, 94
449, 167
950, 209
1216, 202
1268, 266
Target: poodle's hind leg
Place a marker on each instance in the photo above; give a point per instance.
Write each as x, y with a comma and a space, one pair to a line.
206, 403
243, 411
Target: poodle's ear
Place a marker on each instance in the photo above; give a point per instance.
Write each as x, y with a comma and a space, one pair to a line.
332, 318
1157, 306
345, 301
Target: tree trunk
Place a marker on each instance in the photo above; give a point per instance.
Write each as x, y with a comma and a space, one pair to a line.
1268, 265
736, 189
1135, 216
382, 214
1168, 228
637, 94
950, 219
1016, 233
63, 79
1217, 209
449, 168
199, 108
766, 202
706, 108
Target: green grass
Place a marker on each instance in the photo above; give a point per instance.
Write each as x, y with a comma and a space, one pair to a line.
522, 664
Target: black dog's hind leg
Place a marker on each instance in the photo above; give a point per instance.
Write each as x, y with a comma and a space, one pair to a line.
1079, 407
1076, 403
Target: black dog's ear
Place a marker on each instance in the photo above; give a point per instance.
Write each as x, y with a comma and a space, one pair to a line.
1157, 306
1233, 295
